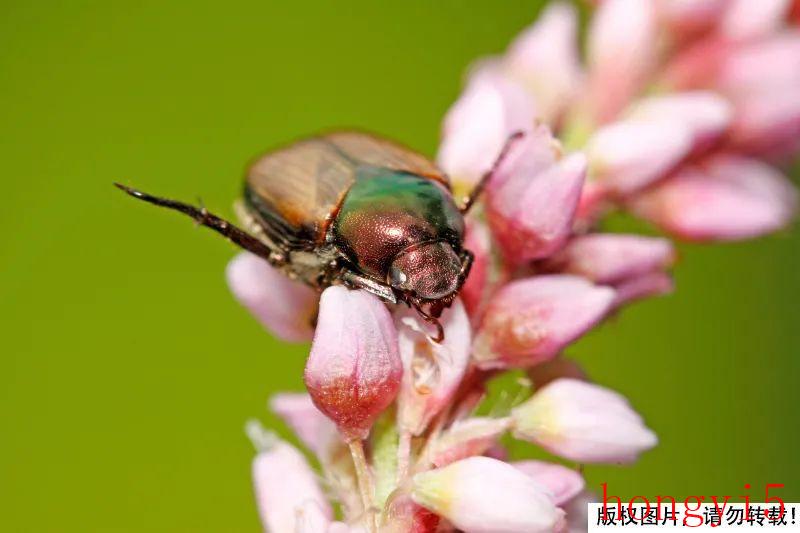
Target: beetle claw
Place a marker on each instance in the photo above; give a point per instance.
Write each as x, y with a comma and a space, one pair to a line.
430, 320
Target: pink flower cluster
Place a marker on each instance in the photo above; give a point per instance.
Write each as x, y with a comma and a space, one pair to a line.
678, 114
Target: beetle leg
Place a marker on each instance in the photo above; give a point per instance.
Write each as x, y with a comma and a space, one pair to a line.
430, 320
209, 220
370, 285
476, 191
466, 265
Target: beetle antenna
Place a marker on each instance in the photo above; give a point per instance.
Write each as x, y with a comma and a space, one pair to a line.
204, 218
476, 191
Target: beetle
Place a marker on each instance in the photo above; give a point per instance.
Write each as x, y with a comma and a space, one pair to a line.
353, 208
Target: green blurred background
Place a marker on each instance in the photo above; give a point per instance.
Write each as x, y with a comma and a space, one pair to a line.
127, 371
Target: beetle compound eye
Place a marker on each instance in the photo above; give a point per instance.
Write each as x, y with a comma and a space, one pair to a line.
397, 278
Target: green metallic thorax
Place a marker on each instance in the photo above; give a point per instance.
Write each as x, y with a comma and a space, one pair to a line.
387, 211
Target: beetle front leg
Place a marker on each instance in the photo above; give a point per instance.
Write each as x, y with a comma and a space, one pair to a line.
358, 281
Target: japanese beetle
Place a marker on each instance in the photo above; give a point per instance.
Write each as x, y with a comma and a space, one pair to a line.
352, 208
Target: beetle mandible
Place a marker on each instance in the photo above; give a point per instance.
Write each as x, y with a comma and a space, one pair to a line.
353, 208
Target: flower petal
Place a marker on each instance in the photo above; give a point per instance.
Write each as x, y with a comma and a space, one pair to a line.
583, 422
285, 307
531, 320
483, 495
353, 372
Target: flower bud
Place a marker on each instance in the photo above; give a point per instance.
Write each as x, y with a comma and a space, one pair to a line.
643, 286
314, 429
726, 198
621, 53
629, 155
354, 370
491, 109
431, 371
285, 307
466, 438
531, 206
284, 483
560, 367
583, 422
611, 257
706, 115
766, 65
531, 320
483, 495
544, 58
310, 518
746, 19
478, 241
687, 19
563, 483
768, 123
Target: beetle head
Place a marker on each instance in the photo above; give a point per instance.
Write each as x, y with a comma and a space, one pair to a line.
427, 271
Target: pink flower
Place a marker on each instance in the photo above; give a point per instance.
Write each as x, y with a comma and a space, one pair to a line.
544, 58
628, 156
533, 198
478, 240
643, 286
478, 125
285, 307
562, 483
621, 54
459, 493
560, 367
353, 372
284, 483
314, 429
611, 257
467, 438
531, 320
583, 422
746, 19
726, 198
704, 114
687, 18
431, 371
